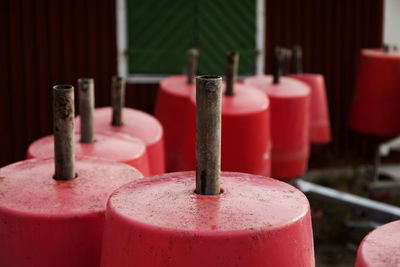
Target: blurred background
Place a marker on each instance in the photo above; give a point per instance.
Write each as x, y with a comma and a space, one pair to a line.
47, 42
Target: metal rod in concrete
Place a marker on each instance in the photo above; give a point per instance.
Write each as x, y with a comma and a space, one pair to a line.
231, 72
287, 55
386, 48
297, 60
63, 124
86, 109
277, 64
208, 134
192, 55
117, 100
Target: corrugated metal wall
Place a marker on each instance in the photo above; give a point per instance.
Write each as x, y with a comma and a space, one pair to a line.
46, 42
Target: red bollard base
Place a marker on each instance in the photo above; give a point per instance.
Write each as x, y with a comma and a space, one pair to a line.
245, 133
44, 222
320, 130
375, 108
171, 109
161, 221
381, 247
290, 124
138, 124
112, 146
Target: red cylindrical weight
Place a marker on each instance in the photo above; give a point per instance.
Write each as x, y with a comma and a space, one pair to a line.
320, 130
171, 109
254, 221
111, 146
245, 130
138, 124
45, 222
290, 118
381, 247
375, 107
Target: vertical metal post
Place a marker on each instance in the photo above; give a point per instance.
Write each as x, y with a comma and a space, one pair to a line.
277, 65
64, 141
208, 134
192, 55
117, 100
287, 55
231, 72
86, 109
298, 59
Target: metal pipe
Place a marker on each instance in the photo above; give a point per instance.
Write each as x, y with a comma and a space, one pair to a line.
231, 72
287, 55
208, 134
117, 100
297, 59
379, 211
277, 65
86, 109
192, 55
63, 124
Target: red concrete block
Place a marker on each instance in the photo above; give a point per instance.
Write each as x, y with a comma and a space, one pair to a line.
138, 124
161, 221
171, 109
375, 108
320, 129
290, 123
45, 222
245, 130
112, 146
381, 247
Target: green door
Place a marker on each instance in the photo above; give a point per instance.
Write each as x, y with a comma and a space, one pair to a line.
160, 32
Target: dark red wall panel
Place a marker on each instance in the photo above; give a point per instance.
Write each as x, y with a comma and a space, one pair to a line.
48, 42
43, 43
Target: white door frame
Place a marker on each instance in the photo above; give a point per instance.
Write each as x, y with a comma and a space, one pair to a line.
122, 44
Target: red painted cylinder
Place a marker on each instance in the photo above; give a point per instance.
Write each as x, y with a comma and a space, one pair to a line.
45, 222
290, 118
138, 124
320, 130
381, 247
245, 130
161, 221
375, 107
111, 146
171, 109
